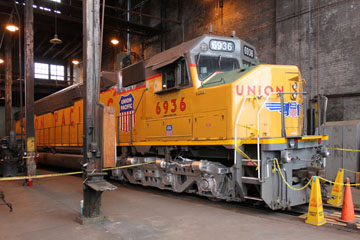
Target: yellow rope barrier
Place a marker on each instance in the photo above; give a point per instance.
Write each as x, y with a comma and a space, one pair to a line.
347, 170
341, 184
287, 184
39, 176
128, 166
345, 149
67, 174
302, 188
237, 148
247, 127
246, 156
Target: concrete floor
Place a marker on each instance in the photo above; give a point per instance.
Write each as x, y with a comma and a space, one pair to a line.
48, 211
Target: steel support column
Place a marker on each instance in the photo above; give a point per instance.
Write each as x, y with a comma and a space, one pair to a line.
94, 183
8, 84
128, 30
29, 88
71, 73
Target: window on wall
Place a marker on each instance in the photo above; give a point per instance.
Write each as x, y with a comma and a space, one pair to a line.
56, 72
49, 71
41, 70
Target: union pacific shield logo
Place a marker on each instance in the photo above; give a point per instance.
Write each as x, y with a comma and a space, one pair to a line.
127, 114
291, 109
294, 109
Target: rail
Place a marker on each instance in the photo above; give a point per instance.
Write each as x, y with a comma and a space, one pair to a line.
49, 136
283, 128
236, 124
130, 117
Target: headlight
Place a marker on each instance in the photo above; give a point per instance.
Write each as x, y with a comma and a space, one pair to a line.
324, 152
286, 156
294, 95
203, 47
295, 86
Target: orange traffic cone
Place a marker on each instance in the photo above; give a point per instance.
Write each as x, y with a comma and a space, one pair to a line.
348, 213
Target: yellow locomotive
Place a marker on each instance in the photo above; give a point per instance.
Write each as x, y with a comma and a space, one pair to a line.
211, 117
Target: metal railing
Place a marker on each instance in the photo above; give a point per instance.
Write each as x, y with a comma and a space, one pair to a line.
64, 135
283, 127
130, 115
236, 124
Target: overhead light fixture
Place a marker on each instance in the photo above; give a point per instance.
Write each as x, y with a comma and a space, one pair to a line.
75, 62
114, 41
1, 61
12, 27
56, 39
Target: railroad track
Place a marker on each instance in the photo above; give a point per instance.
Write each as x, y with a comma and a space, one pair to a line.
249, 207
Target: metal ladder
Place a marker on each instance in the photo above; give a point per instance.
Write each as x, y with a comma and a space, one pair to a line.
250, 180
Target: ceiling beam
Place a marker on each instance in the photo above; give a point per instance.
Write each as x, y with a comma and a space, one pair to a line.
114, 23
65, 6
49, 50
40, 44
72, 51
64, 48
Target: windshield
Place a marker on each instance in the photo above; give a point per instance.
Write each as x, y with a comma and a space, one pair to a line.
208, 65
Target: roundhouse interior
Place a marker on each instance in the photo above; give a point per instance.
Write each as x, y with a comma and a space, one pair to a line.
140, 119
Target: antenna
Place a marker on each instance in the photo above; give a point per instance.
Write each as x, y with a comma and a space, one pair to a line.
210, 29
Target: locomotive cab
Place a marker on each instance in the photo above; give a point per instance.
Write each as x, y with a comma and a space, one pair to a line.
214, 55
194, 62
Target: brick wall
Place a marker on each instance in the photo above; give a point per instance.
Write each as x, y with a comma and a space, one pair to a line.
335, 42
280, 32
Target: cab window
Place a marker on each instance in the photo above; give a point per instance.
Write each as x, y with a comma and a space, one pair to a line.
175, 75
168, 77
183, 74
208, 65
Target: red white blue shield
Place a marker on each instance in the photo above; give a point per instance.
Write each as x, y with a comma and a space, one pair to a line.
169, 131
294, 109
127, 113
291, 109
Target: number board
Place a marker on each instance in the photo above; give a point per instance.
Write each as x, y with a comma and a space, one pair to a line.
220, 45
248, 51
169, 107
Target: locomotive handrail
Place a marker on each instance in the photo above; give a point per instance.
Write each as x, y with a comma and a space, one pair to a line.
131, 115
137, 106
283, 131
47, 142
257, 131
236, 123
324, 117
